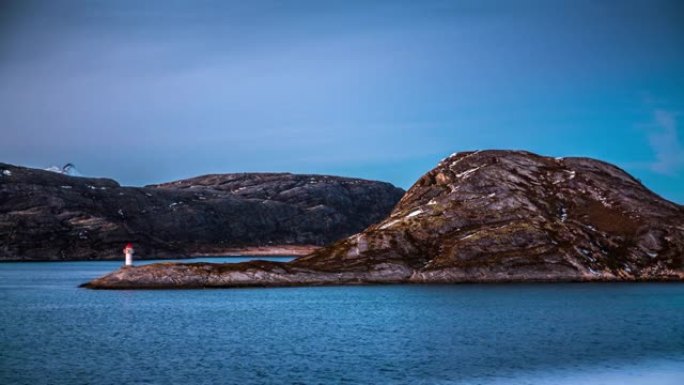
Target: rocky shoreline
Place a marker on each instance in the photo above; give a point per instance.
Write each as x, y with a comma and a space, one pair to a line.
280, 274
484, 216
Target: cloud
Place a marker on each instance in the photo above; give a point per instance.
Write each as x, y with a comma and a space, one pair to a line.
665, 143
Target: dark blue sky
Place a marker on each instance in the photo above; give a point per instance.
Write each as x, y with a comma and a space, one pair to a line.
150, 91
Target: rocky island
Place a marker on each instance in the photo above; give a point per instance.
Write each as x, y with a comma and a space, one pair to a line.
485, 216
51, 216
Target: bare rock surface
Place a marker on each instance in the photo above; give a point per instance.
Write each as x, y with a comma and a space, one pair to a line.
485, 216
50, 216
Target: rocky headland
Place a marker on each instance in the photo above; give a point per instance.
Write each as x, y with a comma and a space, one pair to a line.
485, 216
52, 216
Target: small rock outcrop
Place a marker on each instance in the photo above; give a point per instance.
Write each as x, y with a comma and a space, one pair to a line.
485, 216
50, 216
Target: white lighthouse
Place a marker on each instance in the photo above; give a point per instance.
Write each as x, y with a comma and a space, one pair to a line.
128, 252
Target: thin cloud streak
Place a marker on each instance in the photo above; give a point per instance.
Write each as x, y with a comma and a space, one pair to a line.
666, 145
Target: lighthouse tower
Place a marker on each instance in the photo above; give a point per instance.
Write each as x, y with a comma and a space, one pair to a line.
128, 252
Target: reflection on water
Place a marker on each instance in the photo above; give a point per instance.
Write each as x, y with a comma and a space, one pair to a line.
52, 332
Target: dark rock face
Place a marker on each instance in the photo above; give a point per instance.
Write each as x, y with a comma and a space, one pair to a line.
46, 216
488, 216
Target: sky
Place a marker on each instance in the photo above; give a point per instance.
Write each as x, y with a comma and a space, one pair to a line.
152, 91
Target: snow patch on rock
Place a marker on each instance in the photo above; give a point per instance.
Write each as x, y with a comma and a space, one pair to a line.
414, 213
398, 220
454, 163
390, 224
467, 173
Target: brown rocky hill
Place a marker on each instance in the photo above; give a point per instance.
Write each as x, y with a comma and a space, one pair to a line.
485, 216
50, 216
500, 215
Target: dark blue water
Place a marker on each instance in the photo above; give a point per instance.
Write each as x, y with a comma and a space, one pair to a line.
54, 333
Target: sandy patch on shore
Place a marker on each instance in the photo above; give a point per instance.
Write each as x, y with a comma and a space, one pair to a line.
264, 250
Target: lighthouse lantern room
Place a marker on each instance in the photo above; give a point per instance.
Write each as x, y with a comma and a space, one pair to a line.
128, 252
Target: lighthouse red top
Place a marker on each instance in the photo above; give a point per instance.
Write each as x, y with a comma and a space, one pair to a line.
129, 246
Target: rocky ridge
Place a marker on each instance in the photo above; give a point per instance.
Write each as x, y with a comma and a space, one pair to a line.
51, 216
484, 216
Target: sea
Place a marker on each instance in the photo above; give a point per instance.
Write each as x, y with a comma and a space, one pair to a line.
53, 332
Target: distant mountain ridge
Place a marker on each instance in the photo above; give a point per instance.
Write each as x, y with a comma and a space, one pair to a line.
52, 216
484, 216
